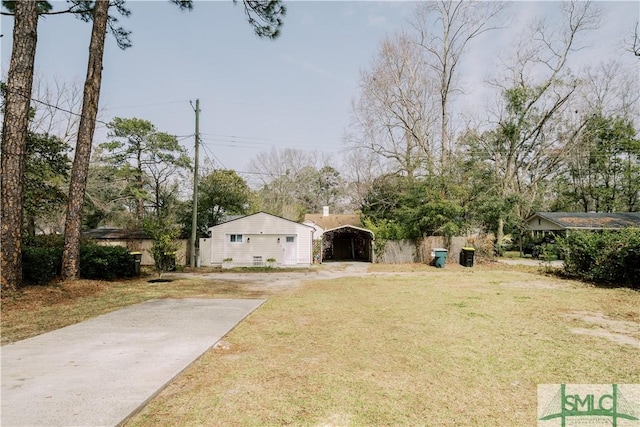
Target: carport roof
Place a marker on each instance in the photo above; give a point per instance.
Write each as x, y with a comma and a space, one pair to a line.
351, 226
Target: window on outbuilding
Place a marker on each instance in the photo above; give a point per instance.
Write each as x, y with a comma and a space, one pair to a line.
235, 238
290, 239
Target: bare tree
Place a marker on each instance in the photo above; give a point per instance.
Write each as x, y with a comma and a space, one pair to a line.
56, 107
394, 114
610, 88
361, 167
280, 178
537, 125
444, 31
634, 43
602, 167
14, 139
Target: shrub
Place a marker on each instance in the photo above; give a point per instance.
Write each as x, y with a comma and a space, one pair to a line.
42, 260
608, 257
164, 232
44, 241
40, 265
105, 262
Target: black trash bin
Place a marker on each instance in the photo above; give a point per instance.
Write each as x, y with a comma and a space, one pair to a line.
137, 259
466, 257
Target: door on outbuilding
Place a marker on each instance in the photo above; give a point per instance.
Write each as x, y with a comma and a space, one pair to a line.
290, 249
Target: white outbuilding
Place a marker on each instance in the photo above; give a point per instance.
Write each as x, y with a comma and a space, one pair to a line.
257, 240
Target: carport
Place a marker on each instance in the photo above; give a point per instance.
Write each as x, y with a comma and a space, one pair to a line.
348, 243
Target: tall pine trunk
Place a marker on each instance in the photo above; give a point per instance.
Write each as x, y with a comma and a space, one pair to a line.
14, 140
80, 169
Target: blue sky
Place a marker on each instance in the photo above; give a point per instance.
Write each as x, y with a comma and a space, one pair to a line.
256, 94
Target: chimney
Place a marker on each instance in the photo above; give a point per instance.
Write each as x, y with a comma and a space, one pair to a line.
325, 211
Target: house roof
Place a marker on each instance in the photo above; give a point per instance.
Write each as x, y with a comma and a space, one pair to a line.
258, 213
328, 222
591, 220
107, 233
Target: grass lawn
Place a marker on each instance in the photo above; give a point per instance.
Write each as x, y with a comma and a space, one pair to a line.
448, 347
408, 345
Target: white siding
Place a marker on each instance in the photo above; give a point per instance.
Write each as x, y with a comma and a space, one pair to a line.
264, 236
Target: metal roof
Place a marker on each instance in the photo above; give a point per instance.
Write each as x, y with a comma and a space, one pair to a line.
350, 226
591, 220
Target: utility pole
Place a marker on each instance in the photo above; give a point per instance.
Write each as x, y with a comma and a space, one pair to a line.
194, 217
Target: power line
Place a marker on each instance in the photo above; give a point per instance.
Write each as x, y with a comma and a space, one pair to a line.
73, 113
207, 150
239, 138
55, 107
255, 145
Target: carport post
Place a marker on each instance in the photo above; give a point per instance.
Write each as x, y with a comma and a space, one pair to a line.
372, 249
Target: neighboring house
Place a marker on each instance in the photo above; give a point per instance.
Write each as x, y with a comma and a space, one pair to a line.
342, 237
542, 223
253, 239
134, 240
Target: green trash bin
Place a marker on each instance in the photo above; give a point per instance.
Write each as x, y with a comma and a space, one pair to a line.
439, 257
137, 259
466, 257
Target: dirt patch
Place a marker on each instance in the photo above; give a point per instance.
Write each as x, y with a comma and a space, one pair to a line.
619, 331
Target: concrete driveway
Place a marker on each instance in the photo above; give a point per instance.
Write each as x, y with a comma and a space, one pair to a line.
99, 372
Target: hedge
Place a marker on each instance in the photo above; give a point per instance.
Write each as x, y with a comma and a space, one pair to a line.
40, 265
42, 261
105, 262
607, 257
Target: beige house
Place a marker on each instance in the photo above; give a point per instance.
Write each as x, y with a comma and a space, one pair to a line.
135, 241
